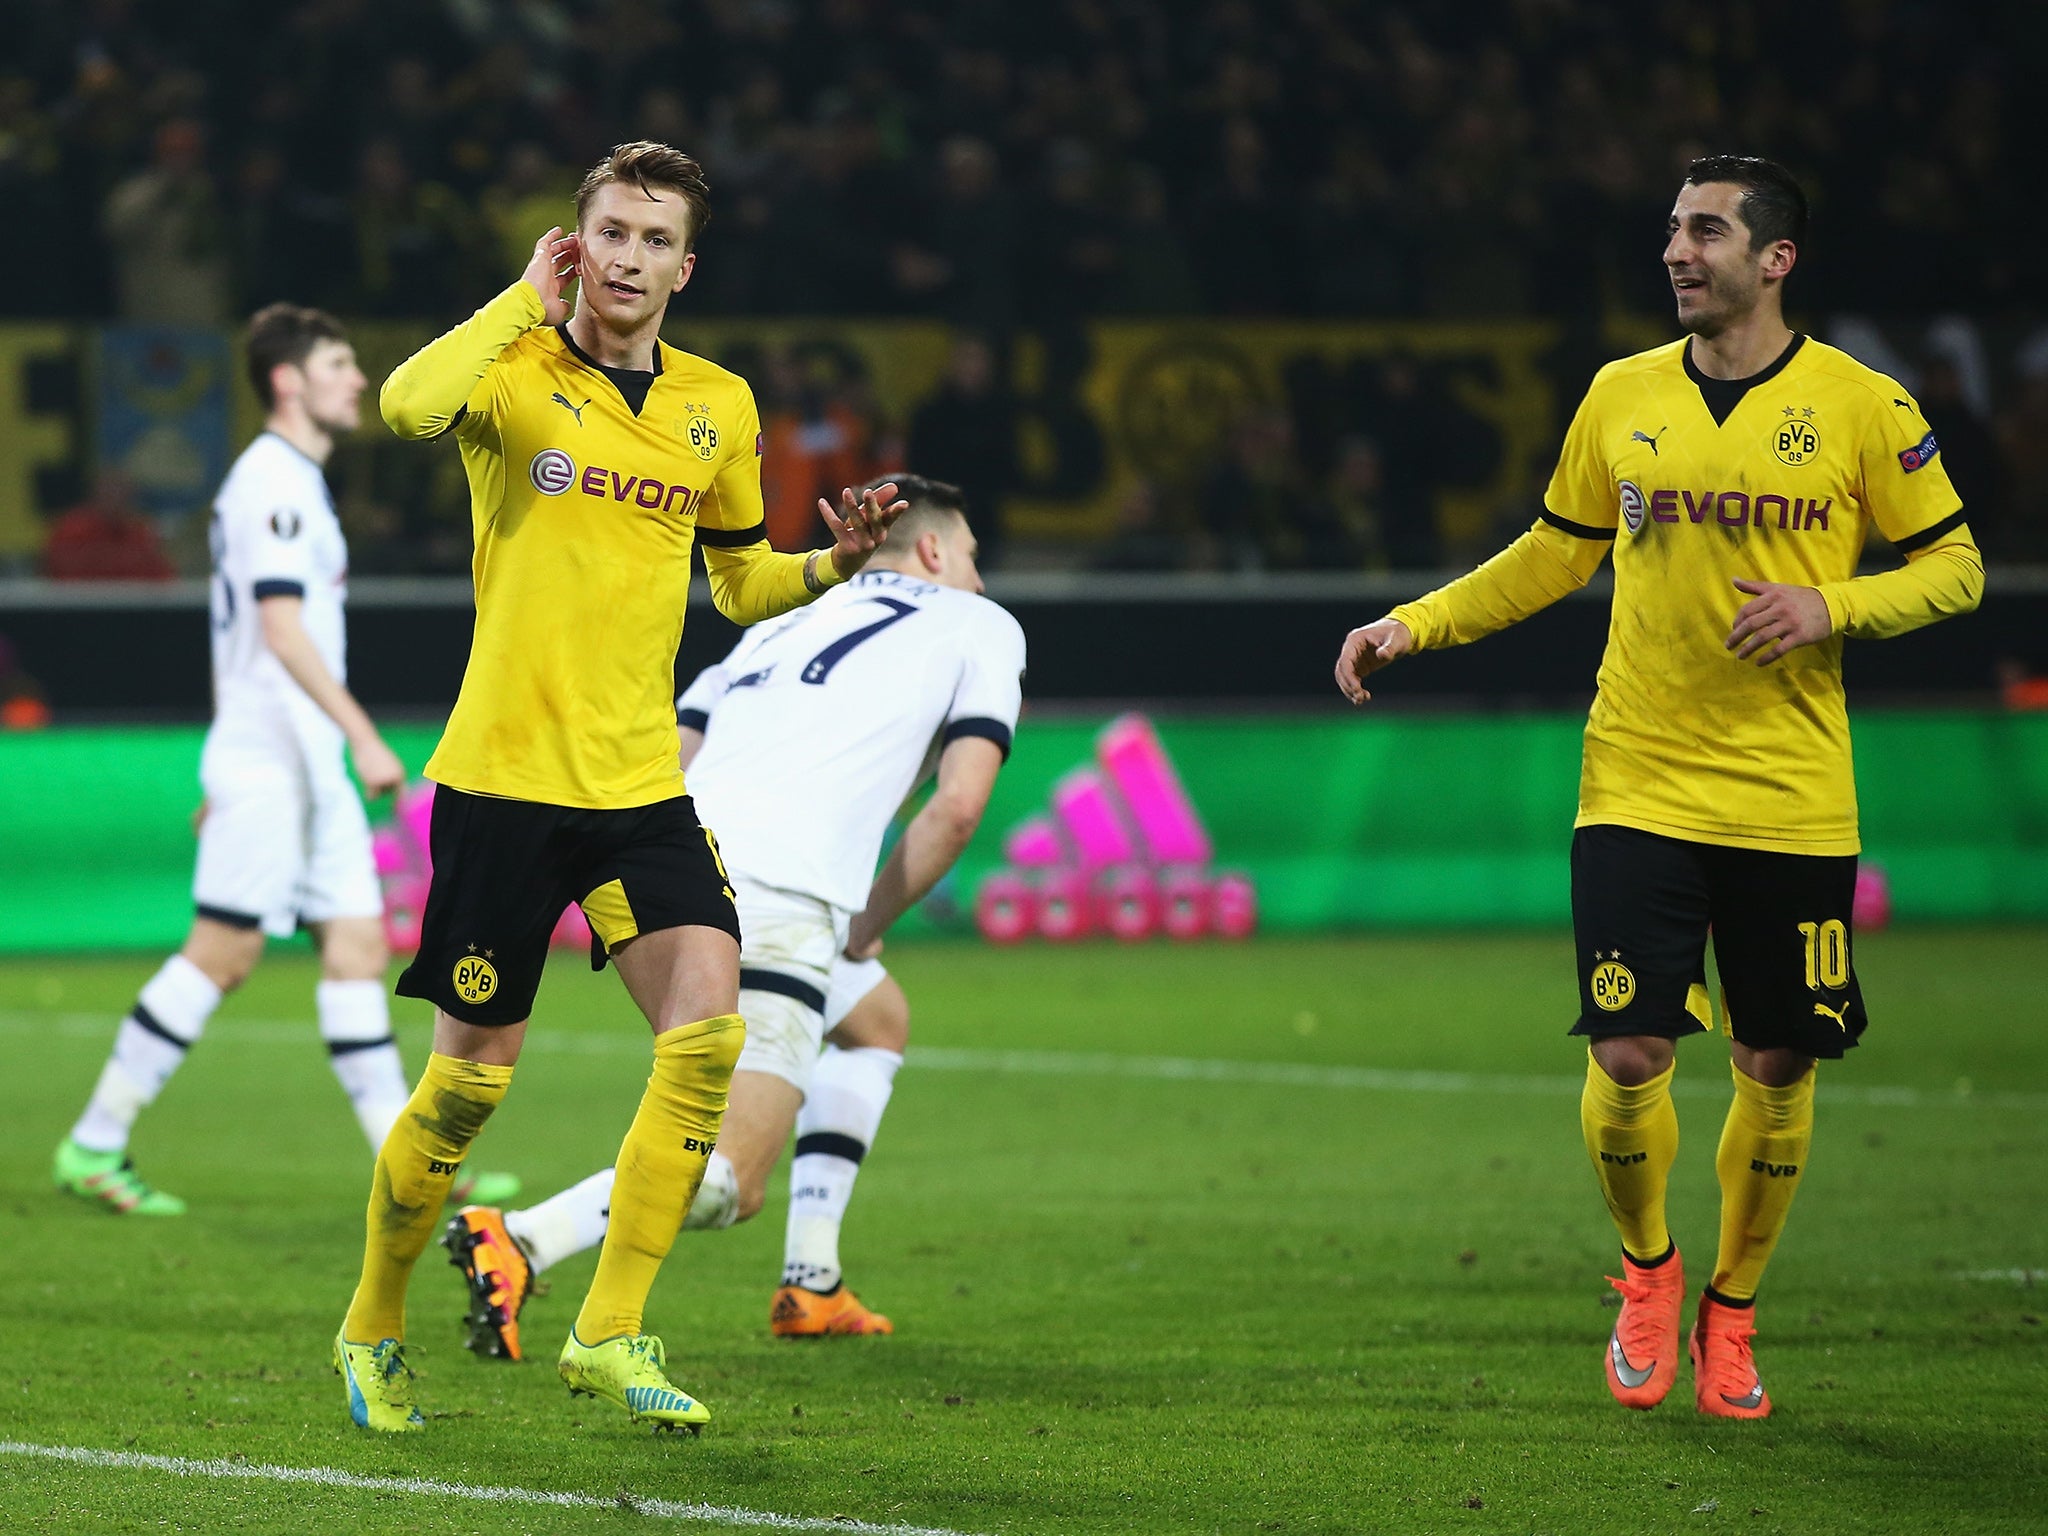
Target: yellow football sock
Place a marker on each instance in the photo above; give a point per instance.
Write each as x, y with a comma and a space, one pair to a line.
1632, 1137
415, 1166
660, 1166
1763, 1152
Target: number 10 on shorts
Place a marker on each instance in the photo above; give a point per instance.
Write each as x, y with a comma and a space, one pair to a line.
1827, 954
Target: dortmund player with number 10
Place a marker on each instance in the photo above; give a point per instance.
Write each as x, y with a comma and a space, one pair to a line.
1735, 474
597, 458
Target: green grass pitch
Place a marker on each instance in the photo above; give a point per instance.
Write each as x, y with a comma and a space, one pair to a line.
1153, 1298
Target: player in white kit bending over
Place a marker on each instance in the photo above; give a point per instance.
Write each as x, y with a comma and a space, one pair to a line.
845, 703
282, 839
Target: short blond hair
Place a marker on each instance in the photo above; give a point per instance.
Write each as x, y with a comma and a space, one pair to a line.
648, 166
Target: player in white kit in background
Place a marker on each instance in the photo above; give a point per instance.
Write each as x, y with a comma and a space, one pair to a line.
850, 703
282, 839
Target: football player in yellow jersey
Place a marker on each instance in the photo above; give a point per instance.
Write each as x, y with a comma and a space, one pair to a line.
1736, 475
597, 458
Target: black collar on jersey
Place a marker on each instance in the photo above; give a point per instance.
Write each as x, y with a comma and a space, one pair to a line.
1723, 395
631, 383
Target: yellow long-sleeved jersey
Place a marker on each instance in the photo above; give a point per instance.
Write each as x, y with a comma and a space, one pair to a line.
1694, 482
589, 486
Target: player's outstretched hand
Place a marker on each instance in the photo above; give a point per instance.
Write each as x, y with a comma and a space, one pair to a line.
554, 262
378, 767
860, 525
1366, 650
1776, 619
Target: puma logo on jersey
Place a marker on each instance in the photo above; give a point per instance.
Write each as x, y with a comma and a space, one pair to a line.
1839, 1015
1644, 437
574, 410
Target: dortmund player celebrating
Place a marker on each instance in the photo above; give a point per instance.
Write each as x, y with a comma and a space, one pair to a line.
597, 457
1736, 474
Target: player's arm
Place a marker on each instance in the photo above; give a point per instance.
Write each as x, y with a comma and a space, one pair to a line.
1553, 559
284, 632
1915, 506
693, 709
1548, 562
430, 391
750, 580
937, 835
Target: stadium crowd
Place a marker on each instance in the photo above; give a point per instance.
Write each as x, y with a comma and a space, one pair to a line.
1012, 168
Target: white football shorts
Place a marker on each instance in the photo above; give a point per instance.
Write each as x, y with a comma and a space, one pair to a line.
280, 846
851, 981
796, 983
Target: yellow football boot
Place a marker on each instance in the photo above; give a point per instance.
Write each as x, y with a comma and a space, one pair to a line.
628, 1371
379, 1386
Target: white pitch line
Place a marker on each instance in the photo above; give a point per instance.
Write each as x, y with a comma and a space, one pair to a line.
1175, 1069
430, 1487
2026, 1277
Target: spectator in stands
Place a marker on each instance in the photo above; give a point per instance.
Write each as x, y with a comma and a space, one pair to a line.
818, 433
164, 224
1970, 452
965, 433
106, 538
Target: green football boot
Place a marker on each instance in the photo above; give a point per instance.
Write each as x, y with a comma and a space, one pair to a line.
486, 1188
628, 1371
109, 1180
379, 1386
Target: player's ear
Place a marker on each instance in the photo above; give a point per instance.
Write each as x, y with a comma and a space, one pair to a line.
1779, 260
287, 380
931, 553
682, 277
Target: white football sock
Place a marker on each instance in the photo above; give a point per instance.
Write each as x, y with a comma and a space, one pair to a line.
841, 1113
167, 1017
563, 1224
355, 1021
718, 1198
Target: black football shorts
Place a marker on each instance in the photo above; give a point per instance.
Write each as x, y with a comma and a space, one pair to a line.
505, 869
1643, 906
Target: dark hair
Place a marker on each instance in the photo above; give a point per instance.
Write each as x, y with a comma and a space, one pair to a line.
1773, 203
931, 502
645, 164
285, 333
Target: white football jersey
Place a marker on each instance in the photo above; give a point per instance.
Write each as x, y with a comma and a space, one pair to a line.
820, 724
274, 533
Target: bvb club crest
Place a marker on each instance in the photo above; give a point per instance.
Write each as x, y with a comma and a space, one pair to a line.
1794, 439
1613, 986
701, 435
475, 979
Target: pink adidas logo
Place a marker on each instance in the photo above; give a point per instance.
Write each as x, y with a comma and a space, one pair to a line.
1123, 852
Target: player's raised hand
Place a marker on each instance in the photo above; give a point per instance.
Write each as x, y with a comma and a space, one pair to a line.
1776, 619
378, 767
861, 524
554, 263
1366, 650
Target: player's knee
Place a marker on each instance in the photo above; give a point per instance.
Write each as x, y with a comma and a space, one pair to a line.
354, 951
881, 1021
223, 954
1632, 1060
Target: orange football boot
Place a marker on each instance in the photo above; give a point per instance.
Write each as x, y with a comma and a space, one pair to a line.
1642, 1353
1724, 1379
801, 1314
499, 1277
